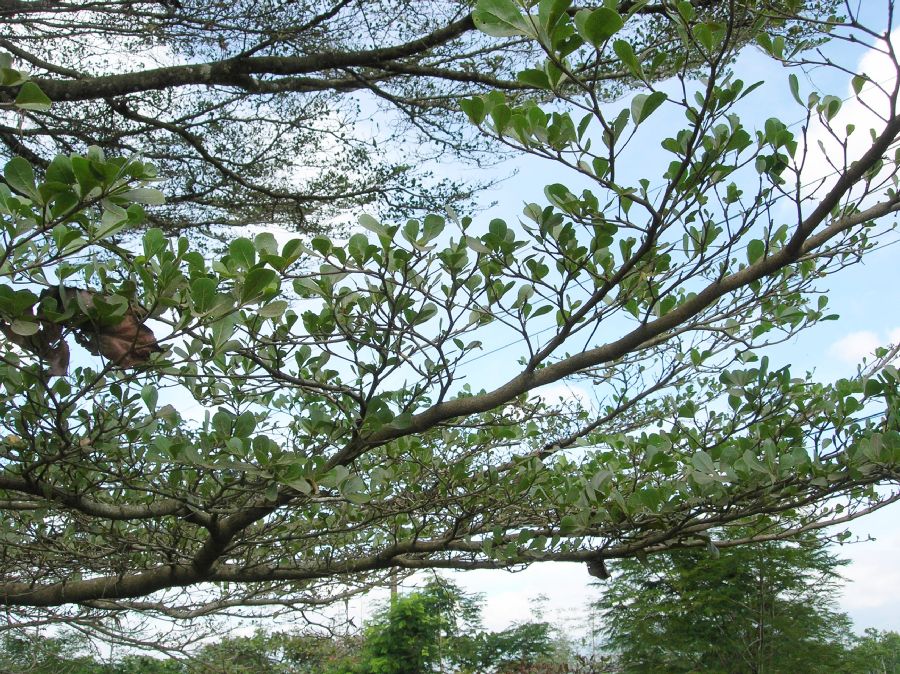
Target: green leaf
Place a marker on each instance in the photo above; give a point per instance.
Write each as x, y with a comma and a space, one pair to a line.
150, 396
427, 312
795, 87
626, 54
358, 247
25, 328
20, 176
703, 462
704, 36
244, 425
257, 282
598, 26
273, 309
873, 388
60, 170
525, 293
475, 110
755, 250
203, 293
301, 484
830, 107
643, 105
30, 97
112, 220
144, 195
686, 10
533, 78
501, 115
371, 224
432, 226
265, 243
243, 252
14, 303
86, 177
500, 18
154, 242
292, 250
223, 328
222, 423
477, 245
272, 492
549, 14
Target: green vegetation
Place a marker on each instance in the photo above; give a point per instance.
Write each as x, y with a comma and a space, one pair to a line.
265, 116
768, 607
436, 629
278, 424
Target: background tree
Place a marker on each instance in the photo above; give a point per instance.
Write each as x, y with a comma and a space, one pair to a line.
437, 629
523, 648
765, 607
278, 652
415, 633
308, 429
263, 651
274, 114
876, 652
24, 653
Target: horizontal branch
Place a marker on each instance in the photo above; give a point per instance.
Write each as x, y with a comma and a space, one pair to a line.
109, 511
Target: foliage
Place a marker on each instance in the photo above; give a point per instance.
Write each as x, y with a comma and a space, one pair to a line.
275, 652
284, 113
876, 652
32, 654
264, 651
141, 664
309, 429
424, 631
439, 627
406, 637
445, 644
516, 649
766, 607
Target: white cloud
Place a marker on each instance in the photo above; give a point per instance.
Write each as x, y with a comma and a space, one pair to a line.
872, 595
565, 393
855, 346
852, 348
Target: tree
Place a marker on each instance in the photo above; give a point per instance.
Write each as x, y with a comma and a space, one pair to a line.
439, 627
32, 654
270, 114
767, 607
273, 651
307, 431
876, 652
522, 648
266, 651
412, 633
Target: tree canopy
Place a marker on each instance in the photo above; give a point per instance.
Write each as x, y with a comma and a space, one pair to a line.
281, 113
280, 426
764, 607
438, 627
